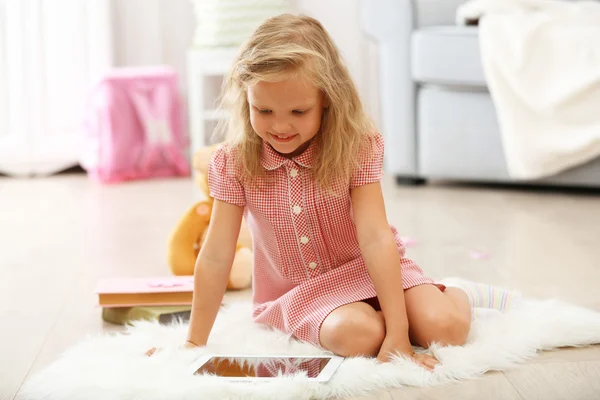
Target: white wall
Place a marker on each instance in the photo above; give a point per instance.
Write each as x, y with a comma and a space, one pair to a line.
153, 32
158, 31
341, 18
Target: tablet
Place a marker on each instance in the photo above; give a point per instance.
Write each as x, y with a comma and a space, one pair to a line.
236, 367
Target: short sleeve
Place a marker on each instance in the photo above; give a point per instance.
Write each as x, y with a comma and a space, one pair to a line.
370, 168
223, 181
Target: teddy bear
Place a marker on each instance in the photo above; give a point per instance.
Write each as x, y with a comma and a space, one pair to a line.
189, 233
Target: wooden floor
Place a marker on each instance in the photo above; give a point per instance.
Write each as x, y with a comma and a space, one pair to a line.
59, 235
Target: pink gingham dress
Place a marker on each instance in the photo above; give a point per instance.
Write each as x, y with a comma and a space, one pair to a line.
307, 260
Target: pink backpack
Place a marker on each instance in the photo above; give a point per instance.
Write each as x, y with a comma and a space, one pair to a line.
134, 127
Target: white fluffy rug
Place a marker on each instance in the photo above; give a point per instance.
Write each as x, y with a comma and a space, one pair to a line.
114, 366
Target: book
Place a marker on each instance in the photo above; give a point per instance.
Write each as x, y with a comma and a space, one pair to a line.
149, 291
160, 314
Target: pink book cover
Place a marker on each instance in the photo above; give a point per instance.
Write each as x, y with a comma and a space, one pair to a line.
161, 284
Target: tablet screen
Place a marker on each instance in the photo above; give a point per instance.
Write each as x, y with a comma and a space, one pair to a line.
263, 367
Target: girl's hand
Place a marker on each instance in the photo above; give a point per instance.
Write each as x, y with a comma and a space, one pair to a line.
392, 346
425, 360
188, 345
151, 351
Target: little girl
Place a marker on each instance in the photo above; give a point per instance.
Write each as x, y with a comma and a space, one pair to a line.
304, 165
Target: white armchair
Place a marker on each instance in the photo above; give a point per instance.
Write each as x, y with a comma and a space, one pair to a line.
437, 115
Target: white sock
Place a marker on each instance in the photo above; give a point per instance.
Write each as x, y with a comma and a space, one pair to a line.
482, 295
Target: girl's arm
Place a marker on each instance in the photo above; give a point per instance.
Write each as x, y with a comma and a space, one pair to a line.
212, 269
380, 252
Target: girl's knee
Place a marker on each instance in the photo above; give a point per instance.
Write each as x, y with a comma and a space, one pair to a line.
353, 334
460, 325
448, 328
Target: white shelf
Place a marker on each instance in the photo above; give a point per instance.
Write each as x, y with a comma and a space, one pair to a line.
203, 64
215, 115
212, 61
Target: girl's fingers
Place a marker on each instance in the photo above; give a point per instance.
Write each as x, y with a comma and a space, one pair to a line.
426, 361
423, 364
151, 351
433, 360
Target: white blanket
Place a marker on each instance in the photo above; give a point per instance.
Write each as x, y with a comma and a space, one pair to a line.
541, 59
114, 367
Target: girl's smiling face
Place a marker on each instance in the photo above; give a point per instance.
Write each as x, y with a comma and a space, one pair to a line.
286, 114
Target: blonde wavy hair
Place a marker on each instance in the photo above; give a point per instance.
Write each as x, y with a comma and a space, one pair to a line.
290, 46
